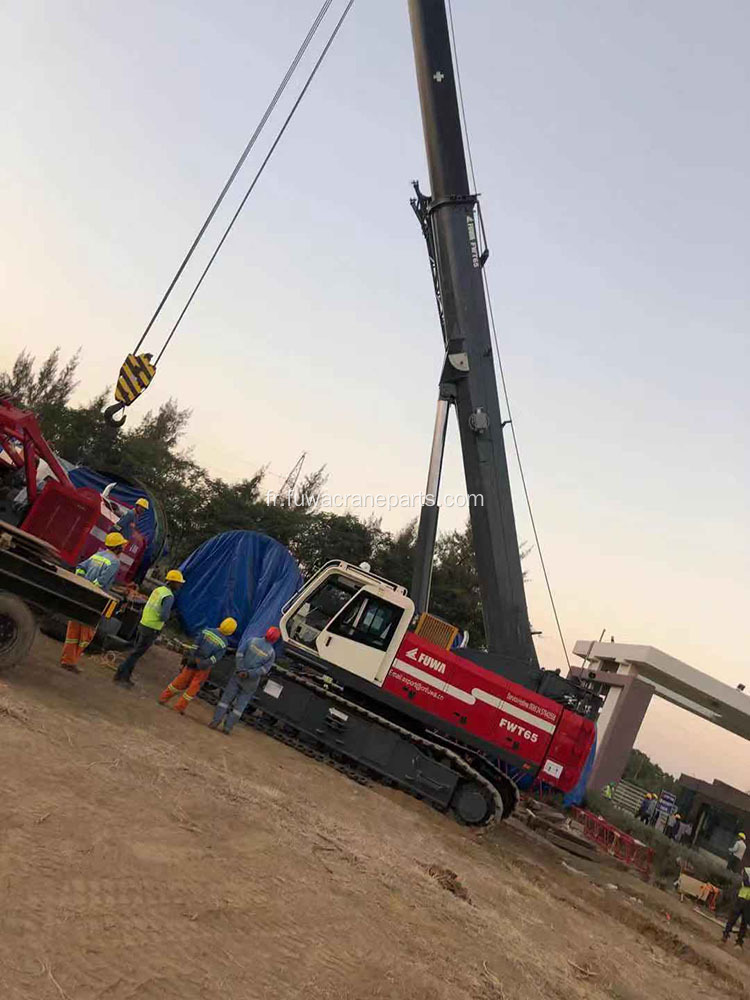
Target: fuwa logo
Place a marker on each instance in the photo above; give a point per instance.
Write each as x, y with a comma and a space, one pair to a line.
426, 660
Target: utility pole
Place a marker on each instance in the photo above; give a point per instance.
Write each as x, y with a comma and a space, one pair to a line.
468, 381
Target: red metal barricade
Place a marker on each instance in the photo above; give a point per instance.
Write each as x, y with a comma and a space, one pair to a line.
614, 841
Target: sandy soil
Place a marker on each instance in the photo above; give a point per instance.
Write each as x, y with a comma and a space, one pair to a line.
144, 856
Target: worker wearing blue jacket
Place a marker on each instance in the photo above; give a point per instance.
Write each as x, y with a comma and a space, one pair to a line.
255, 657
130, 518
101, 569
211, 645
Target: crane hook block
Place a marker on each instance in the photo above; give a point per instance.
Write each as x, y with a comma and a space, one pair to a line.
135, 376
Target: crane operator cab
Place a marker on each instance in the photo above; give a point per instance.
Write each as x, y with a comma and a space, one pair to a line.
350, 618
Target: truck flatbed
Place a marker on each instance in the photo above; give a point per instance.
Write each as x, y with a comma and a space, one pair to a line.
32, 583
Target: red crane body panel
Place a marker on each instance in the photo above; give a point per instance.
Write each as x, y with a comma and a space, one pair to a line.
507, 716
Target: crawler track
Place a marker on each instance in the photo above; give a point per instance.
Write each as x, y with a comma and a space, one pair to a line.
476, 796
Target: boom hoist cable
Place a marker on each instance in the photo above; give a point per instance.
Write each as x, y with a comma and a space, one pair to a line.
138, 370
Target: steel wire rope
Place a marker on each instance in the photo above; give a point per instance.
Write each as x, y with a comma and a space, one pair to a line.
238, 166
262, 167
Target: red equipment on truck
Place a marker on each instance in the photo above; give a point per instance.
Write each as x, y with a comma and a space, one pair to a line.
73, 520
47, 526
33, 583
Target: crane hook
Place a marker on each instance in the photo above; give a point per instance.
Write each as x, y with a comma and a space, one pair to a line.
110, 415
135, 376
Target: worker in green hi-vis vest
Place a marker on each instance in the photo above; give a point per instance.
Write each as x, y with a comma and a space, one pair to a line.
155, 616
740, 911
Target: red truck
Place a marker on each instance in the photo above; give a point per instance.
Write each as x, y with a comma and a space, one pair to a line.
73, 520
45, 530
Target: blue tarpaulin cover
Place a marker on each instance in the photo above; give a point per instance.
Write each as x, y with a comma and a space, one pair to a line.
577, 794
127, 493
238, 574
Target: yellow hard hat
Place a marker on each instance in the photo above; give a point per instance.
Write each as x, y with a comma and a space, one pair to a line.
142, 502
174, 576
228, 626
114, 540
741, 836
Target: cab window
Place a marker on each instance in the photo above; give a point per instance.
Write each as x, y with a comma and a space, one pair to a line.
320, 607
369, 620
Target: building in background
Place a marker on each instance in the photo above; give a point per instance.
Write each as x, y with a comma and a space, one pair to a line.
717, 812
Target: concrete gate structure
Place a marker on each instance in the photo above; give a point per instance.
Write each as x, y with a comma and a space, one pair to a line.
628, 676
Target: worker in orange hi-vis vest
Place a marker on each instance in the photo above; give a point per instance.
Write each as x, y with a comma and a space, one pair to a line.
100, 569
197, 664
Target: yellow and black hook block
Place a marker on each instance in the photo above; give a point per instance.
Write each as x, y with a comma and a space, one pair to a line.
135, 376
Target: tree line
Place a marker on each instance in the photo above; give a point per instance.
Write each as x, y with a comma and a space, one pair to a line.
200, 505
647, 774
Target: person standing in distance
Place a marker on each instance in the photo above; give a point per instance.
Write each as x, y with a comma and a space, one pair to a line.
740, 911
155, 616
737, 854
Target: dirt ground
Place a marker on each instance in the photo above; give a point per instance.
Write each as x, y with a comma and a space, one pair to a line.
145, 857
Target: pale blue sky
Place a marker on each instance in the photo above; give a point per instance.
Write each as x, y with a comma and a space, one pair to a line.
611, 145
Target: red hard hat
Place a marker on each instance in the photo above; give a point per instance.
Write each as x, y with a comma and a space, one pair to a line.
273, 634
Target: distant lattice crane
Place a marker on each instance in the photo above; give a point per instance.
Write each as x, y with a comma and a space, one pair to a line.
289, 487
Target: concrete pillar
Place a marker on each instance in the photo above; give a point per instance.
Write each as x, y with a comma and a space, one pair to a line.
618, 724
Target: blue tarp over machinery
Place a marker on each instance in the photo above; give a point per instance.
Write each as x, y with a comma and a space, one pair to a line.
241, 574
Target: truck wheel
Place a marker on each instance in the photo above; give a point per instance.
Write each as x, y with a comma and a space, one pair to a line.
472, 804
17, 630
